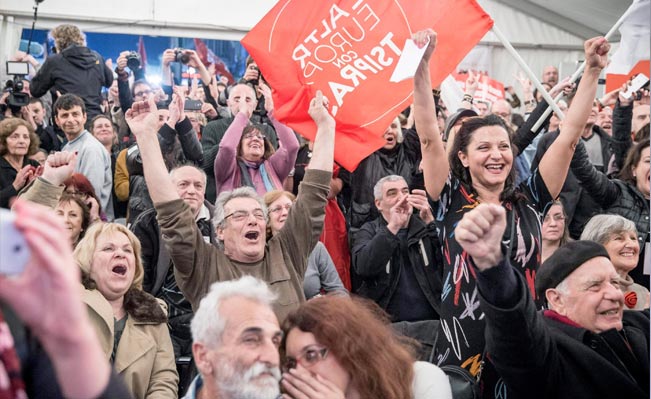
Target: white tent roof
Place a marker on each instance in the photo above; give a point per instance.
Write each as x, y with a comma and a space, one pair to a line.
544, 31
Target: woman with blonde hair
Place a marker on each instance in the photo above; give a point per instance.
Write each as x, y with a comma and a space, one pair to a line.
342, 347
131, 324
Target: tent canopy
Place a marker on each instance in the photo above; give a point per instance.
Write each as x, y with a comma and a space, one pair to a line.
545, 32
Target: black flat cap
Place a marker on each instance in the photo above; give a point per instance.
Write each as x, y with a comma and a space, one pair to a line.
564, 261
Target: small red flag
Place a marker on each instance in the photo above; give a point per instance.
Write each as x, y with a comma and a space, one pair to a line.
348, 49
208, 57
142, 52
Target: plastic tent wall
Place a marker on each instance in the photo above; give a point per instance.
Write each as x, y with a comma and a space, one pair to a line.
548, 35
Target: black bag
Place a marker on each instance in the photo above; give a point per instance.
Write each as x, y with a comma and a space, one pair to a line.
462, 384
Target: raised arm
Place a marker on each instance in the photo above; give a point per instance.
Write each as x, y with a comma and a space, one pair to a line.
435, 162
324, 142
143, 120
556, 161
282, 160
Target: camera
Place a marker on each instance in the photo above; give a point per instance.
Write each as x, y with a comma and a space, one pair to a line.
15, 86
133, 60
181, 56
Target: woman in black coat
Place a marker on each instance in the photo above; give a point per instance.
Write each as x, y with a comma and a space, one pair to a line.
17, 142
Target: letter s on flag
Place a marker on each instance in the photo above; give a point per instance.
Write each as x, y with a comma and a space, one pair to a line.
348, 49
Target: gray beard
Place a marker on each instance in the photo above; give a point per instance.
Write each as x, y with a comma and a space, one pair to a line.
232, 382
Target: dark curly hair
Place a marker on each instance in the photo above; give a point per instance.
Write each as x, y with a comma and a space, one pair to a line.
461, 141
9, 126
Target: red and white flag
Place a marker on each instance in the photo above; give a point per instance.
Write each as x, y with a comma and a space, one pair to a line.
349, 49
634, 43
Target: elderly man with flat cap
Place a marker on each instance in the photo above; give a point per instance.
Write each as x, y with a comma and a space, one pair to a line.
584, 346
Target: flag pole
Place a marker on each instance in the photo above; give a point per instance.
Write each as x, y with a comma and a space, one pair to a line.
575, 75
527, 70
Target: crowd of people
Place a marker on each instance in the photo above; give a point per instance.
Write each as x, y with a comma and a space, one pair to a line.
214, 253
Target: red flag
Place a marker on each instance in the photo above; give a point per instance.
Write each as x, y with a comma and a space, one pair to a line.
348, 49
142, 52
208, 57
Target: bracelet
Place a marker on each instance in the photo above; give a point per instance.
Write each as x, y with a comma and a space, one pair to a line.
467, 97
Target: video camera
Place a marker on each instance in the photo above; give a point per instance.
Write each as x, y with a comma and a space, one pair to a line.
17, 98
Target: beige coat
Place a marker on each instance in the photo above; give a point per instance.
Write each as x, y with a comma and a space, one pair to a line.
145, 357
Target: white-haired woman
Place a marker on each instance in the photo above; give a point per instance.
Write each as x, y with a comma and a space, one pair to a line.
131, 324
619, 236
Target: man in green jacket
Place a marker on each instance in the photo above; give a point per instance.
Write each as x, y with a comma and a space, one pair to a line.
240, 220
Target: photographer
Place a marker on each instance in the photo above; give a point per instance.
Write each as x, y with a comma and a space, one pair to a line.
75, 69
252, 77
129, 59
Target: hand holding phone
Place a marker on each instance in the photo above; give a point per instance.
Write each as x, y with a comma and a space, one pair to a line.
637, 83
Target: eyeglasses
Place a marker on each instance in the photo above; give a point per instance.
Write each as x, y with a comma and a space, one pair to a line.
142, 93
251, 135
307, 358
240, 216
279, 208
77, 193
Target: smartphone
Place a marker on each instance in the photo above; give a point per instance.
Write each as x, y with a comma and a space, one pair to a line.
14, 252
638, 82
192, 105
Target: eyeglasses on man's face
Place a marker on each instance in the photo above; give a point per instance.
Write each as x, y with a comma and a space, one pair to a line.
308, 358
240, 216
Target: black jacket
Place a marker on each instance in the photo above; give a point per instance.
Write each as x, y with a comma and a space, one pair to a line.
621, 140
544, 357
578, 205
616, 197
7, 177
175, 153
378, 261
402, 160
77, 70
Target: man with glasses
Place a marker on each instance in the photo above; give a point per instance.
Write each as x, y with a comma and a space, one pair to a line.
236, 338
240, 220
